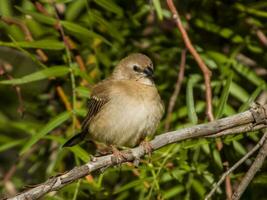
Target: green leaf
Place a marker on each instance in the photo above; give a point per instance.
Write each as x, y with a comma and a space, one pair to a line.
158, 9
11, 144
217, 158
39, 17
110, 6
73, 28
224, 97
132, 184
36, 76
77, 150
40, 44
194, 143
198, 187
260, 179
193, 79
249, 74
172, 192
83, 91
80, 153
209, 62
239, 148
252, 11
51, 125
74, 9
221, 31
111, 29
251, 99
79, 31
206, 148
229, 110
220, 58
238, 92
5, 8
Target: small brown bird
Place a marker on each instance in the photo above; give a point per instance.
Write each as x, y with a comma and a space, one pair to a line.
124, 108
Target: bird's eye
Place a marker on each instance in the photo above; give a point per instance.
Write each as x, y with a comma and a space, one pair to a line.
136, 68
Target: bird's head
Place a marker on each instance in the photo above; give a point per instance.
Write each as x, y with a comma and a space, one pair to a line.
136, 67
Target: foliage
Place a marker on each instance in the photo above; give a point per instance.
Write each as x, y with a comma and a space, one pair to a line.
225, 33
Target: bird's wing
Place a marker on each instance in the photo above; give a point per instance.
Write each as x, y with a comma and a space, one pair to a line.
100, 96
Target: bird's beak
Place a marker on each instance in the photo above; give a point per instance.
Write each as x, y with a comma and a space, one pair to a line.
149, 72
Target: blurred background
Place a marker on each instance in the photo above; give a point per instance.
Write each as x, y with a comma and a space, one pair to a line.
52, 52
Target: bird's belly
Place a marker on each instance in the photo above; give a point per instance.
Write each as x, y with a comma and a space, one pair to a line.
125, 124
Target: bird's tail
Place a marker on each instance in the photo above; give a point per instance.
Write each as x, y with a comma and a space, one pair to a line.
76, 139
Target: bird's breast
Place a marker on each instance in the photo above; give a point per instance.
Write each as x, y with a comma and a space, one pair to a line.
128, 117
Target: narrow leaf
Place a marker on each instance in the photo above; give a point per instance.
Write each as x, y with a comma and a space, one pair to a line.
11, 144
52, 124
249, 74
158, 9
238, 92
110, 6
239, 148
78, 31
77, 150
41, 44
224, 97
190, 98
39, 17
217, 158
251, 99
36, 76
73, 28
173, 192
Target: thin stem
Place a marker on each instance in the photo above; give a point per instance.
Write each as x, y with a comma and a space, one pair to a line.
176, 91
236, 165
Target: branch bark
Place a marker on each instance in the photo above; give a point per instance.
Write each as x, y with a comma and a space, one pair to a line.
236, 165
257, 115
255, 167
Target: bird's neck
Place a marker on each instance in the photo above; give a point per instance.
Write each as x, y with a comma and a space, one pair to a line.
143, 81
146, 81
117, 75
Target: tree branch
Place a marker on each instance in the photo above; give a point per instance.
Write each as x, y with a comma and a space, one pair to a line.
256, 165
205, 70
236, 165
257, 115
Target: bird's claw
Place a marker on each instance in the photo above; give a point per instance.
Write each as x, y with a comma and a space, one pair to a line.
147, 147
118, 156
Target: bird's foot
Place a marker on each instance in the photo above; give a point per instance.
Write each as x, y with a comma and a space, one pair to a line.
118, 156
102, 149
147, 147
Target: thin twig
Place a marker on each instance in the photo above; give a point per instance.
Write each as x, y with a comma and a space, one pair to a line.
239, 129
67, 104
262, 37
177, 89
68, 53
236, 165
40, 7
21, 108
255, 167
228, 186
256, 115
201, 64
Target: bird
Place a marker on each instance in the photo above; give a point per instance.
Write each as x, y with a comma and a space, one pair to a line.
124, 108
